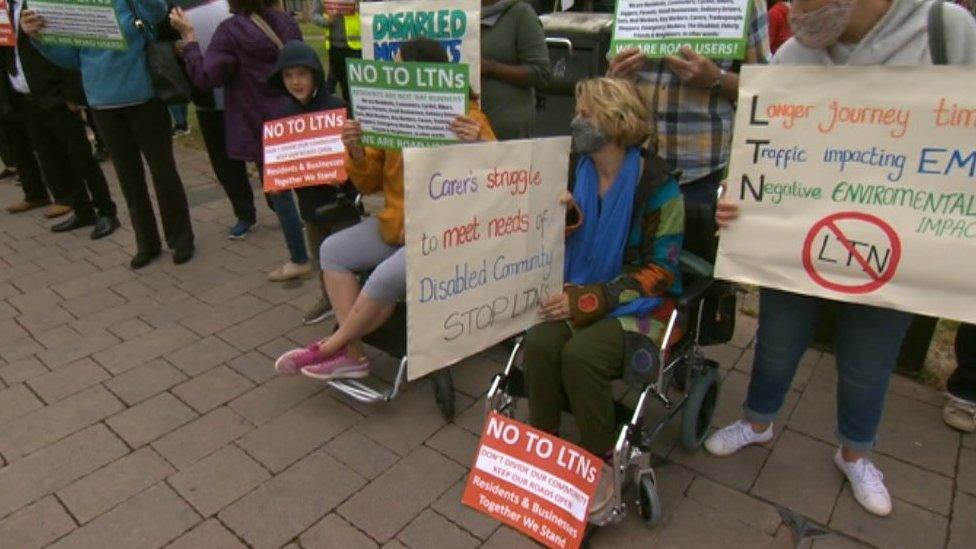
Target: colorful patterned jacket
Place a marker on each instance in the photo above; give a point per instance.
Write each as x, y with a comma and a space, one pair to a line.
650, 267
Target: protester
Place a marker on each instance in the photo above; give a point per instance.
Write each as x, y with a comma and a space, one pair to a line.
343, 40
231, 174
960, 408
779, 25
42, 92
827, 33
514, 62
376, 243
299, 73
134, 124
621, 256
694, 99
241, 56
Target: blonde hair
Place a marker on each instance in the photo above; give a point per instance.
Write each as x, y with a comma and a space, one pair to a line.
619, 108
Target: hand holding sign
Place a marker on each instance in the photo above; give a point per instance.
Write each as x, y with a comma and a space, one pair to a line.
31, 23
693, 69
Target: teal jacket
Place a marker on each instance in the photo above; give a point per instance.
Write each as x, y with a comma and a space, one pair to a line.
114, 78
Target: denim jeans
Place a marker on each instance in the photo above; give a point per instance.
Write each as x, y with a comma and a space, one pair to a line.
867, 343
291, 224
962, 383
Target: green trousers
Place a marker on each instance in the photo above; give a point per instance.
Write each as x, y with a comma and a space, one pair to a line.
572, 370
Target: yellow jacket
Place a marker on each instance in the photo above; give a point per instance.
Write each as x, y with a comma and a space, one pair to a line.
382, 169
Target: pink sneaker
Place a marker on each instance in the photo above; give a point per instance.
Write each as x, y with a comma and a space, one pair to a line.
294, 360
338, 366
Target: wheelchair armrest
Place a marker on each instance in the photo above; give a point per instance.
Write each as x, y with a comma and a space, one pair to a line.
695, 291
329, 208
695, 265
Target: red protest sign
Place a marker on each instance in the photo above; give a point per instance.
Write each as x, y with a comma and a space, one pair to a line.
851, 253
304, 151
536, 483
339, 7
8, 36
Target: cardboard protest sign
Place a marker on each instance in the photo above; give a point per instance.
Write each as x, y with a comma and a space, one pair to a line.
407, 104
536, 483
206, 16
484, 234
717, 29
339, 7
850, 192
304, 151
80, 23
456, 24
8, 35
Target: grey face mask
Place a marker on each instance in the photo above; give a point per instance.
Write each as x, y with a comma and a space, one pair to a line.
587, 137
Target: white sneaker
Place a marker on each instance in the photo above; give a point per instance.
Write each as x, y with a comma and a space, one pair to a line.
867, 483
731, 439
960, 414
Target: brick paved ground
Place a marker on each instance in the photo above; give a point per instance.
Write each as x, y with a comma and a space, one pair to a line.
141, 410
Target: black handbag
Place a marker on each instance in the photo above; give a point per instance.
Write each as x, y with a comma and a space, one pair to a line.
168, 78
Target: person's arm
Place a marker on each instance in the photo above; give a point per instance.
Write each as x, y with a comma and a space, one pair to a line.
214, 69
664, 233
960, 28
366, 172
32, 24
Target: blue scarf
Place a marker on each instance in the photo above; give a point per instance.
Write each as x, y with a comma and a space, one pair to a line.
595, 252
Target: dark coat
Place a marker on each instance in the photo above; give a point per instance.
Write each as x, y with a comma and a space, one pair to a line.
299, 54
50, 85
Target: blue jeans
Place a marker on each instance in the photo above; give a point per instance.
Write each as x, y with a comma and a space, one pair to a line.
867, 343
179, 114
291, 224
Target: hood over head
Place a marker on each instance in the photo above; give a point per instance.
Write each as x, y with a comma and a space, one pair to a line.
297, 54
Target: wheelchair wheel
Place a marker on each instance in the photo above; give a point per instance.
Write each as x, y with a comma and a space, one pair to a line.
649, 503
444, 393
699, 409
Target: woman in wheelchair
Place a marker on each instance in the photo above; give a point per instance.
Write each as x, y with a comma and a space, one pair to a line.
625, 224
376, 243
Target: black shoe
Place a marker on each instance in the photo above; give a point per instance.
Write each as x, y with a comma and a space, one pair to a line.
74, 222
104, 226
142, 259
182, 256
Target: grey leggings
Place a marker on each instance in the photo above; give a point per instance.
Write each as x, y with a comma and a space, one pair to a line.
360, 248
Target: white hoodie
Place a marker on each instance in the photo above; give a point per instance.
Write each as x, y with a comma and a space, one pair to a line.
900, 38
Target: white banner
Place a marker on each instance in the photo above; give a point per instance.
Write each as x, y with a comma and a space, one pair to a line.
456, 24
857, 184
485, 244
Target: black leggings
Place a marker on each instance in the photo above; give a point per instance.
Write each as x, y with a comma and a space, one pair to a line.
131, 133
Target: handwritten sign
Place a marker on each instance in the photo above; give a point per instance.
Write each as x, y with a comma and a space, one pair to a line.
850, 192
484, 233
8, 35
456, 24
407, 104
80, 23
304, 151
536, 483
714, 28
